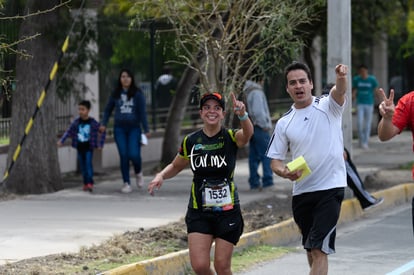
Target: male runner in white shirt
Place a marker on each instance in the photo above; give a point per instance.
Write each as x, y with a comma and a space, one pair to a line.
312, 128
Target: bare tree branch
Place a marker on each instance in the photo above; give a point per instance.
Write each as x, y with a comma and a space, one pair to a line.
15, 17
4, 47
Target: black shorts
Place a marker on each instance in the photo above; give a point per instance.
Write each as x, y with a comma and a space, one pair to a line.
316, 214
226, 225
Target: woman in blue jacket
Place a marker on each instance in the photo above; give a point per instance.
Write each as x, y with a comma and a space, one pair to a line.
130, 115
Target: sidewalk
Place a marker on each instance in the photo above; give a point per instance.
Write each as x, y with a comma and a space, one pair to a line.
64, 221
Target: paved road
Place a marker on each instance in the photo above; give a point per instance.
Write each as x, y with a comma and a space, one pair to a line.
64, 221
379, 243
38, 225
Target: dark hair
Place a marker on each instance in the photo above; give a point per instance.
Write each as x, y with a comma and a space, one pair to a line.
132, 88
85, 103
362, 66
166, 69
298, 66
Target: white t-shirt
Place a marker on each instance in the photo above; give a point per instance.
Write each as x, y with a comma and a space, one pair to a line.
315, 132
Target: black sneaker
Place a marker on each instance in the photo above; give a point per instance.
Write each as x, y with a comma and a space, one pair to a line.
375, 204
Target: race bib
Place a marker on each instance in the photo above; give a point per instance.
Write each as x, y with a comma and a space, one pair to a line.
217, 197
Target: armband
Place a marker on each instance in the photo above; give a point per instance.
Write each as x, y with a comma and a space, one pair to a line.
246, 116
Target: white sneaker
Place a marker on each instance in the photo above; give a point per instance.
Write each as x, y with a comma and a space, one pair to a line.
126, 189
140, 180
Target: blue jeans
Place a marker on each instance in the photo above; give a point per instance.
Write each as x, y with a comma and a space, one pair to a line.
128, 143
257, 154
86, 167
364, 113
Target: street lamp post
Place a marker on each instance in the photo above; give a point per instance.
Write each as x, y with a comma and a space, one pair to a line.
339, 51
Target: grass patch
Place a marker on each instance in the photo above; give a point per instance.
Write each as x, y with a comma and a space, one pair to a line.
241, 261
4, 141
251, 256
407, 166
105, 265
111, 262
92, 267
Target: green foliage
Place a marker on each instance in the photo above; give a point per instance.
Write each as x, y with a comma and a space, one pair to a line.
371, 19
408, 47
117, 7
4, 141
229, 41
407, 166
122, 44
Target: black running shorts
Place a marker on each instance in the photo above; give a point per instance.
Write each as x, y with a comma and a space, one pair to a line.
316, 214
226, 225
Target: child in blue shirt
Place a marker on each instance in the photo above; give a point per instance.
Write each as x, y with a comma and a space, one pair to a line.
84, 132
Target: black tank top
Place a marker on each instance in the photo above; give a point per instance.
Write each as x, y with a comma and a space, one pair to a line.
212, 159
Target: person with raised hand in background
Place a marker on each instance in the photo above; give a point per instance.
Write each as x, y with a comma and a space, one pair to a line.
395, 119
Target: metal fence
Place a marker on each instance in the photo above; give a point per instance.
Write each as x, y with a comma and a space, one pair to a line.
5, 125
63, 119
191, 119
277, 108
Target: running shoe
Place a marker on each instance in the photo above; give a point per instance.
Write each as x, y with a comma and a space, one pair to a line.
126, 189
140, 180
89, 187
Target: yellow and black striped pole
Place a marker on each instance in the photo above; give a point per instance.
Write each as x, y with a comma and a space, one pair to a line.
38, 105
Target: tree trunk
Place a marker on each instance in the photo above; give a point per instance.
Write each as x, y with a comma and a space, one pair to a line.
36, 170
175, 116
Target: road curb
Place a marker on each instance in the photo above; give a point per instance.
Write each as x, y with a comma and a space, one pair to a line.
178, 263
170, 264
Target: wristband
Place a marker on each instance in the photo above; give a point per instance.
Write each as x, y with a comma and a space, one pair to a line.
244, 117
